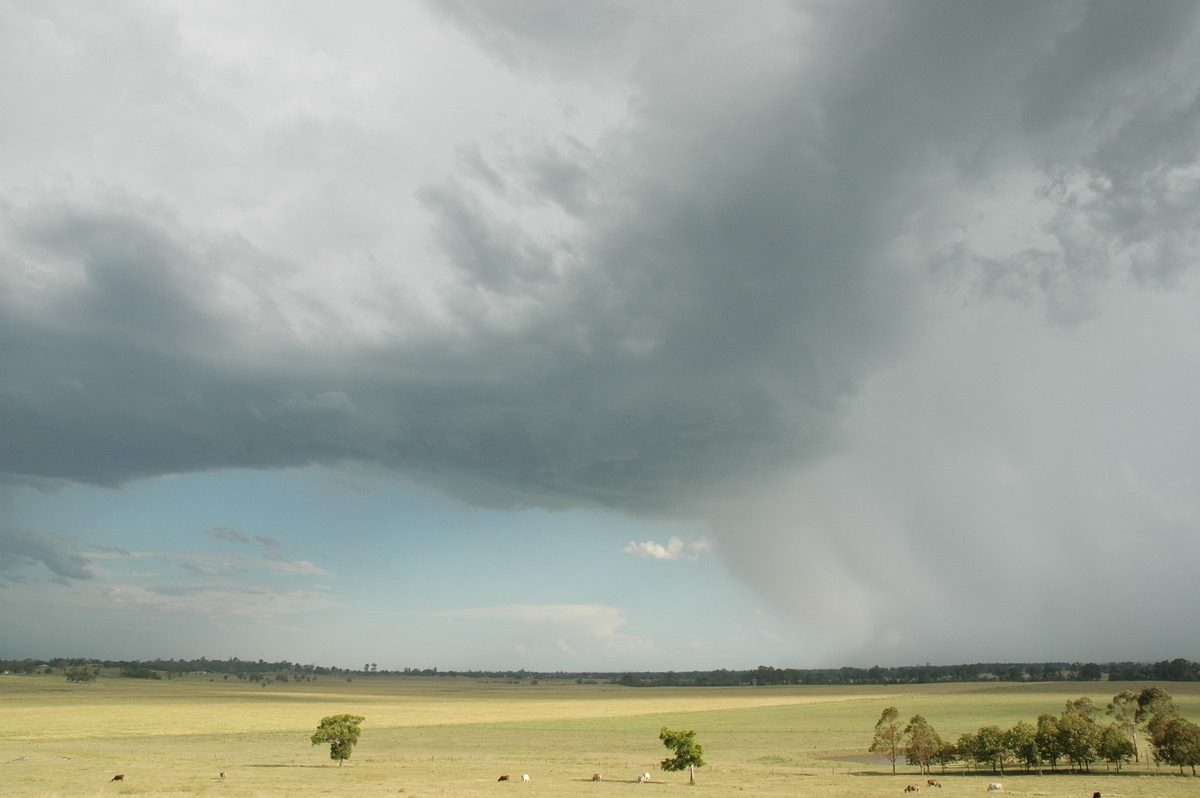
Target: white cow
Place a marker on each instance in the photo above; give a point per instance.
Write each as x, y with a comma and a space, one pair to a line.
524, 777
642, 779
995, 786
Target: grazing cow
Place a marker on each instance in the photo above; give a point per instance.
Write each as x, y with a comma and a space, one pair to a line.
595, 777
525, 777
118, 777
912, 788
934, 783
1095, 795
642, 779
995, 786
222, 774
503, 778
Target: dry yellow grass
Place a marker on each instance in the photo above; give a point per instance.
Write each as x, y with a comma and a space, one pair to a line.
451, 737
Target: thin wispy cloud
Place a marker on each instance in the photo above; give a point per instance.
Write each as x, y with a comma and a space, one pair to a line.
226, 533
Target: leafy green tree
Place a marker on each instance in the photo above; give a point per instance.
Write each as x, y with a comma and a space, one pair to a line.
1021, 742
341, 732
1115, 746
947, 753
888, 736
921, 743
1078, 738
1083, 707
968, 748
1048, 740
1176, 741
1123, 710
688, 752
989, 747
1154, 700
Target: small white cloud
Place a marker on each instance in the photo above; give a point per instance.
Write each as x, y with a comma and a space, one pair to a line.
675, 549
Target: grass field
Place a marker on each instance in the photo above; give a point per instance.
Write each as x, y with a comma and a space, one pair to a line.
447, 737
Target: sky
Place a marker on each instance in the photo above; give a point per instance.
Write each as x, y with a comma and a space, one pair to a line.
600, 336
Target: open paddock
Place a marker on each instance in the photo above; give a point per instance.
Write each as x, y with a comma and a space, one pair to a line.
454, 737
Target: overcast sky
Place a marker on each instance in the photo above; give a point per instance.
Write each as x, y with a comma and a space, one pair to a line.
600, 335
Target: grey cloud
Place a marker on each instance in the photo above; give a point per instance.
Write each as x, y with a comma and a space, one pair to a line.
20, 547
227, 533
700, 298
731, 286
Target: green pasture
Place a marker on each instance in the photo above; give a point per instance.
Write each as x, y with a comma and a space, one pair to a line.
447, 737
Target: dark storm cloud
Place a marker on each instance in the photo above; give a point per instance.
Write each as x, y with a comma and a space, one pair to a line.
729, 285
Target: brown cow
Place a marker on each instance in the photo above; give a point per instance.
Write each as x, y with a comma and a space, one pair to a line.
934, 783
912, 788
503, 778
118, 777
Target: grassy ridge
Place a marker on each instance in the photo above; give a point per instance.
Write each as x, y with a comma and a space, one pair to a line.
453, 737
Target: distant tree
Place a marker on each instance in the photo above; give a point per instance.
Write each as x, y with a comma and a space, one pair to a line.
341, 732
1088, 672
81, 675
1013, 673
1021, 742
888, 736
921, 743
1115, 746
688, 752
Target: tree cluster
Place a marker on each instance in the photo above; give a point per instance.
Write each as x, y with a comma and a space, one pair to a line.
1075, 738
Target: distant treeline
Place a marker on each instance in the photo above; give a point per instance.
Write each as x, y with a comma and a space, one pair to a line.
1175, 670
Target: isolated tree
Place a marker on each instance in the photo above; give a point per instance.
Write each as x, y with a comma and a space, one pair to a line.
688, 752
921, 743
888, 736
341, 732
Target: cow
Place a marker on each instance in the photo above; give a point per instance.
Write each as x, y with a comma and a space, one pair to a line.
995, 786
1095, 795
595, 777
912, 788
642, 779
525, 777
934, 783
118, 777
222, 774
503, 778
